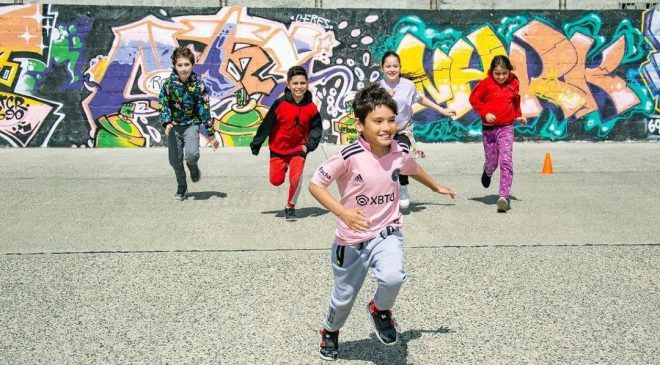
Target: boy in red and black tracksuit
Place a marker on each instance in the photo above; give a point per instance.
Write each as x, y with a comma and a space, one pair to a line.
293, 127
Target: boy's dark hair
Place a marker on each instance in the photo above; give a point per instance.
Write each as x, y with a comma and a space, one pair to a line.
501, 61
295, 71
368, 98
183, 52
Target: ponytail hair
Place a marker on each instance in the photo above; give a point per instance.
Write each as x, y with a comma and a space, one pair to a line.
410, 76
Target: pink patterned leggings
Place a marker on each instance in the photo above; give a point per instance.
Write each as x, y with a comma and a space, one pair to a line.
498, 149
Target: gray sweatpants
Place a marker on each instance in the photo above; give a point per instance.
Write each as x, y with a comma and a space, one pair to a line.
350, 265
183, 141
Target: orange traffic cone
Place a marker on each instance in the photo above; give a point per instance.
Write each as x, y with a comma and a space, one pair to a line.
547, 165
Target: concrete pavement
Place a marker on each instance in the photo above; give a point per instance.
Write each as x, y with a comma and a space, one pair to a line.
96, 269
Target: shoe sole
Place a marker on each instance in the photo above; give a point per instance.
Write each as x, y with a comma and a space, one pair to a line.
376, 329
502, 205
326, 358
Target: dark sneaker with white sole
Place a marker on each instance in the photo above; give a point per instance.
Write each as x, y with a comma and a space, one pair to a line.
329, 349
485, 180
503, 205
181, 192
384, 324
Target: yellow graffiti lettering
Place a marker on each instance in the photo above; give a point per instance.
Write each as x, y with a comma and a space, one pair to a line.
487, 46
411, 51
451, 73
97, 69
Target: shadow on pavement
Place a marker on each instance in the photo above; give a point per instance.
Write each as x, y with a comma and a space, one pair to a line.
418, 207
373, 350
491, 199
300, 212
205, 195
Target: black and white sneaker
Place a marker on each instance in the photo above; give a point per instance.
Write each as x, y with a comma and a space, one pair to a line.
181, 192
289, 213
384, 324
329, 349
195, 174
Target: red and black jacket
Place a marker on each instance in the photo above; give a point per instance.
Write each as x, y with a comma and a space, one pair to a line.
288, 126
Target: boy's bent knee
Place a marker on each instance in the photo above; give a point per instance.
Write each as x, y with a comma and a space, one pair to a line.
192, 160
276, 181
393, 279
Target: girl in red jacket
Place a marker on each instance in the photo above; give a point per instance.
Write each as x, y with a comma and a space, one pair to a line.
497, 101
293, 127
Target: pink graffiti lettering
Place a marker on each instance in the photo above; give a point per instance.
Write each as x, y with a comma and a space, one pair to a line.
564, 78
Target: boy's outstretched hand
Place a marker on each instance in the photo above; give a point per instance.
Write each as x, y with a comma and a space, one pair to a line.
355, 219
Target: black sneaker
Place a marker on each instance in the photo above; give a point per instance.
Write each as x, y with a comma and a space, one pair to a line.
384, 325
485, 180
329, 349
195, 174
181, 192
503, 205
289, 213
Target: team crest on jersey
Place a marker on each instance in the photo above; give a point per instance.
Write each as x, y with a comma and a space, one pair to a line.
362, 200
395, 175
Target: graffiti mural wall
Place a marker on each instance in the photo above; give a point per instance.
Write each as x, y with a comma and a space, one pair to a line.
75, 76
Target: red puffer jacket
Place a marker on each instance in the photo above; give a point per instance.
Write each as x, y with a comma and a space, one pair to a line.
501, 100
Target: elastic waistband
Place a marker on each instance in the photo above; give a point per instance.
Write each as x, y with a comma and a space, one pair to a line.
491, 127
387, 231
382, 234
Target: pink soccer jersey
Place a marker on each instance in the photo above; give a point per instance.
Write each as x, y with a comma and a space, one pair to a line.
369, 182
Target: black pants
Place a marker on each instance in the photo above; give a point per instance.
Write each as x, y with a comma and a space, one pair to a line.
403, 179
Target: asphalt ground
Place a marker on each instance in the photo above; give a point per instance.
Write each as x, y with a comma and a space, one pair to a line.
100, 265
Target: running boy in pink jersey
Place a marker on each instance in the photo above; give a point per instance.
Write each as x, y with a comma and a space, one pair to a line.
368, 219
